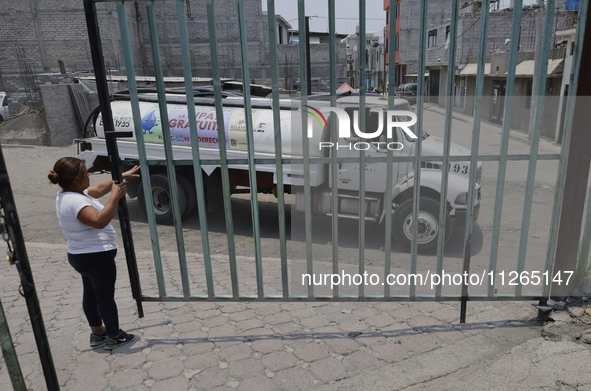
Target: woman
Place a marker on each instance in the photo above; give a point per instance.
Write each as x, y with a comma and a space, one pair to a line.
91, 244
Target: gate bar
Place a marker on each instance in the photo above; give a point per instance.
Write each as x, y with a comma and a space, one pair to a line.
334, 138
98, 63
576, 177
484, 16
21, 261
361, 123
217, 88
141, 146
305, 145
535, 141
326, 298
504, 148
443, 215
586, 241
373, 159
389, 166
170, 170
416, 193
566, 142
199, 188
9, 354
254, 201
278, 145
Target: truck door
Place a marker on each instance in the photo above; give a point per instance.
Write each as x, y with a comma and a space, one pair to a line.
375, 173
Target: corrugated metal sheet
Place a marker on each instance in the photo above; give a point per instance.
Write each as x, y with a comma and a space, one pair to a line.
81, 104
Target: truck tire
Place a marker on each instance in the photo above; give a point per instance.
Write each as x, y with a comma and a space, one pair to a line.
428, 225
161, 199
187, 186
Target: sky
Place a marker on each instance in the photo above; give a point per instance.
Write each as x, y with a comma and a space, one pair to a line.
346, 14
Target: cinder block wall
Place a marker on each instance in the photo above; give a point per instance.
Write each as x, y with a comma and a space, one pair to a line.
60, 117
53, 30
14, 86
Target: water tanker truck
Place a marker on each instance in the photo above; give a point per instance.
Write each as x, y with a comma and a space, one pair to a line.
378, 123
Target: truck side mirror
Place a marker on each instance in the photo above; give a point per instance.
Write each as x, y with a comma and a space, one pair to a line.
381, 147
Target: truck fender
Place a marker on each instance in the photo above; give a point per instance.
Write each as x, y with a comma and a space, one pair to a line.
89, 157
429, 179
209, 169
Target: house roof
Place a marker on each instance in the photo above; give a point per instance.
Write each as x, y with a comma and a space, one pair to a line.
526, 68
344, 88
523, 69
472, 69
318, 33
570, 31
416, 74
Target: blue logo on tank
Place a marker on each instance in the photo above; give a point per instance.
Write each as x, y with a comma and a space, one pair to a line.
149, 121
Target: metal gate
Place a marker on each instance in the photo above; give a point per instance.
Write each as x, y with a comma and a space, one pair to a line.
491, 276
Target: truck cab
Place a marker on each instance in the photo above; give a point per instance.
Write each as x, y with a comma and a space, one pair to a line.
4, 114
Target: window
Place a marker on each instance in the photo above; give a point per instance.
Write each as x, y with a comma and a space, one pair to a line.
280, 35
446, 33
527, 96
396, 44
572, 48
432, 39
387, 16
403, 73
397, 10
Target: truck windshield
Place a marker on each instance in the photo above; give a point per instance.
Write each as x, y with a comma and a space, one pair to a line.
413, 128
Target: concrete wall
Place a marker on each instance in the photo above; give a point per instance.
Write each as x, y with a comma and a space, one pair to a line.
521, 113
60, 116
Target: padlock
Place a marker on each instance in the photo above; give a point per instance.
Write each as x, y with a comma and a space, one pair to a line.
10, 255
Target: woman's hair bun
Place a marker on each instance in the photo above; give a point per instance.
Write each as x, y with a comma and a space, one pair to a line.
53, 177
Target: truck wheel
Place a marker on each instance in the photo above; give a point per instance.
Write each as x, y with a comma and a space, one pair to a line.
187, 186
428, 225
161, 199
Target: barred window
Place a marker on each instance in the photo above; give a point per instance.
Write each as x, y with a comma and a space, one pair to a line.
432, 38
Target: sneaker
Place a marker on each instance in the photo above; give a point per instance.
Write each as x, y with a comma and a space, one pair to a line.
123, 338
97, 340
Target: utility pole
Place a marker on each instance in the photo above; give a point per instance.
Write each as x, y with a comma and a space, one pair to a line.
538, 53
386, 54
308, 66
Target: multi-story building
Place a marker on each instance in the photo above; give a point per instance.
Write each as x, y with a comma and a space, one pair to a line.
374, 59
467, 49
406, 38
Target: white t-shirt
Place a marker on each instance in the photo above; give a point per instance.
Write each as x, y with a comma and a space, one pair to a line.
82, 238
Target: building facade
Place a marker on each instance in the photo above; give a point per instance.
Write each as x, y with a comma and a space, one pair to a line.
374, 60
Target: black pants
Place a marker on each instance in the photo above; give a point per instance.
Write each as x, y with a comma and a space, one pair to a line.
99, 273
